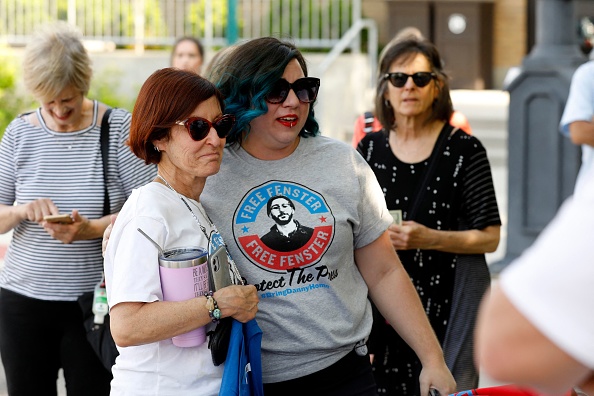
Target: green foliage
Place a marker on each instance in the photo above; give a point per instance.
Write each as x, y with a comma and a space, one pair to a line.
116, 17
167, 19
195, 16
12, 100
104, 88
305, 19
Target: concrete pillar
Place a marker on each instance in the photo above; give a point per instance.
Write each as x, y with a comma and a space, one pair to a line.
542, 163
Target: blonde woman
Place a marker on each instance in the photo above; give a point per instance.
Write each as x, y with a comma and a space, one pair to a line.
51, 163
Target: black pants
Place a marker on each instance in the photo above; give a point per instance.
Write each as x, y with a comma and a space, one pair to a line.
350, 376
39, 337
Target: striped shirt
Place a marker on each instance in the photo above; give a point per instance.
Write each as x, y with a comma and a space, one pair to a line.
67, 168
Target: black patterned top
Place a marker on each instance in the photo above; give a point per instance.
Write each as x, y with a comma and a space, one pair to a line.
460, 195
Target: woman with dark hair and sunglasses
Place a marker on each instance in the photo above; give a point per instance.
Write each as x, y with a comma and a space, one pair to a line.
179, 124
313, 311
367, 122
440, 179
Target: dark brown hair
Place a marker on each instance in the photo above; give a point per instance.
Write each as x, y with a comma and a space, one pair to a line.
247, 73
167, 96
402, 51
192, 40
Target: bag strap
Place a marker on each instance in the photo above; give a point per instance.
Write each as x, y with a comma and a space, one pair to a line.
104, 140
422, 187
368, 118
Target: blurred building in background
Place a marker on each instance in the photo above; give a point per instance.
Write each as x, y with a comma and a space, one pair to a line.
480, 40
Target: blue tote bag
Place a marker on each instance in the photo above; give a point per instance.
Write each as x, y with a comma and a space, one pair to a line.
242, 375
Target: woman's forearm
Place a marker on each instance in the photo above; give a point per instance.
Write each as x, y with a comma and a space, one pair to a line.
467, 242
10, 217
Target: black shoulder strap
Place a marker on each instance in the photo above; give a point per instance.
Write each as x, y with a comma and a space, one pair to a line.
422, 187
368, 117
104, 155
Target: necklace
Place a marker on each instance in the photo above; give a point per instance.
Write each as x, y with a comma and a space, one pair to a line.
202, 228
233, 271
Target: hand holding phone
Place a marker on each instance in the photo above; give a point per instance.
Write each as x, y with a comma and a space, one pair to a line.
59, 218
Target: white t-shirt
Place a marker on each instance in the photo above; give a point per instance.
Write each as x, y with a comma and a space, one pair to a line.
551, 284
132, 274
580, 107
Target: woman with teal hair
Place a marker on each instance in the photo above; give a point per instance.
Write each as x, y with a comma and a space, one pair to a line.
313, 309
248, 85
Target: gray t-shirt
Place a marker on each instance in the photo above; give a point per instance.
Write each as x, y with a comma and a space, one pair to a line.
313, 300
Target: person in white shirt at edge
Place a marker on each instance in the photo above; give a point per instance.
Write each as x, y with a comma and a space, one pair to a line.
537, 329
577, 121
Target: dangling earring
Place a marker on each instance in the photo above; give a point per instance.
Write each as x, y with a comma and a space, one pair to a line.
157, 149
387, 103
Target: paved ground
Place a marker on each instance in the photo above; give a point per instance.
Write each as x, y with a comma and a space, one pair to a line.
487, 114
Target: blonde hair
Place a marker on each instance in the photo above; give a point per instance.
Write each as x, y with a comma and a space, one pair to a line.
56, 59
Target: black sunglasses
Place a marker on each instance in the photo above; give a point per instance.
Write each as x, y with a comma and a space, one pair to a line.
199, 127
305, 88
399, 79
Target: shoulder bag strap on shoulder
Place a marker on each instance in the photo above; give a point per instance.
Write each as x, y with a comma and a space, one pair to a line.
104, 139
446, 132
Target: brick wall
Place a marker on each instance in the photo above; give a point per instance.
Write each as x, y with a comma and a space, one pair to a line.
509, 30
510, 36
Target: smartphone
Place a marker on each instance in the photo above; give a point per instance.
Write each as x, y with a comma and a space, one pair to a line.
218, 269
59, 218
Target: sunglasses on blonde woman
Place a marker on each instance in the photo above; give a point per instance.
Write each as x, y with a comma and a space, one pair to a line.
305, 88
399, 79
199, 127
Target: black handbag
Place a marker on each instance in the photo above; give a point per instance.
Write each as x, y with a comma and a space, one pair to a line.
99, 335
219, 276
218, 341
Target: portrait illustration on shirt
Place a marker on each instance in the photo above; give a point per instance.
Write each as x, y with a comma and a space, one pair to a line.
302, 226
287, 233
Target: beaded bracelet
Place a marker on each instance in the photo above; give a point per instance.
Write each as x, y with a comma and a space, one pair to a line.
213, 308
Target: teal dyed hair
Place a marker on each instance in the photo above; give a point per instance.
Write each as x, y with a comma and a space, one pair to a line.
247, 74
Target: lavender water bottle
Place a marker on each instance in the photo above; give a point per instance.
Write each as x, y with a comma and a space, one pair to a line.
184, 275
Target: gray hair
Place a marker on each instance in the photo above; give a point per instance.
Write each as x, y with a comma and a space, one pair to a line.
56, 59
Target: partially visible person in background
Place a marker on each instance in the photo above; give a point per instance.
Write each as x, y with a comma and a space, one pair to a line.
440, 179
188, 54
51, 163
212, 68
177, 123
536, 327
368, 122
577, 121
